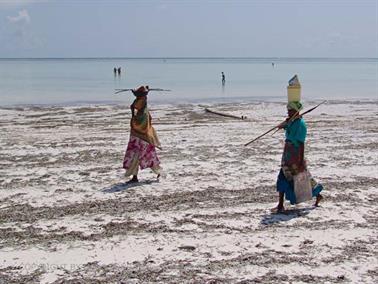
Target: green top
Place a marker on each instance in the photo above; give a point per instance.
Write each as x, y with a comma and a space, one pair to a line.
296, 131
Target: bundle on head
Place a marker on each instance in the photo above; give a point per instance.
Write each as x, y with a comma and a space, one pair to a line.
141, 91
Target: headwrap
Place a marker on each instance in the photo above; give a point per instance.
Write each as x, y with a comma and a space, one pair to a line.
295, 105
141, 91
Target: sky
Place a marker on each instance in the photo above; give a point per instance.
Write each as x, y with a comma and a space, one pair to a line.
183, 28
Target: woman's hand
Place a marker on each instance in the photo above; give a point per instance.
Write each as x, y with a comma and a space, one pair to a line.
282, 124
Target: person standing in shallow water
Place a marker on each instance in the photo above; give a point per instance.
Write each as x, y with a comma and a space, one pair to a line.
293, 161
141, 149
223, 79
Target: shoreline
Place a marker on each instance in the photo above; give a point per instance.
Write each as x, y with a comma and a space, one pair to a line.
68, 215
209, 101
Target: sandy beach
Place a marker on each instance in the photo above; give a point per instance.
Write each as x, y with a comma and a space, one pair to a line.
67, 215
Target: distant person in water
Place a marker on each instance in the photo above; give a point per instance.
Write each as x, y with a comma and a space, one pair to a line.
115, 71
141, 149
119, 71
223, 79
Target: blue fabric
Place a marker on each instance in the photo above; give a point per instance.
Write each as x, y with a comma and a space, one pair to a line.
296, 131
317, 189
287, 187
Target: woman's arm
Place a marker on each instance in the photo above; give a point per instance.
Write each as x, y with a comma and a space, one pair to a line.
132, 107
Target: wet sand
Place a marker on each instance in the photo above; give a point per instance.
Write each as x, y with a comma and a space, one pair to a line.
67, 215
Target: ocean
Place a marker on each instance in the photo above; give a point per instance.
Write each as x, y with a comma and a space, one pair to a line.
191, 80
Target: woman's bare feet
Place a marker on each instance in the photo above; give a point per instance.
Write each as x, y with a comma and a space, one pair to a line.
318, 199
278, 209
133, 180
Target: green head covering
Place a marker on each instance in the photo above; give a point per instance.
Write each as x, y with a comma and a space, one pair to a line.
295, 105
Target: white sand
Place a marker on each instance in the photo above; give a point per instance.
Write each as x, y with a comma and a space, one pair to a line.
67, 215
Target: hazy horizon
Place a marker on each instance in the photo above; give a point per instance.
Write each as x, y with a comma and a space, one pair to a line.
192, 57
189, 29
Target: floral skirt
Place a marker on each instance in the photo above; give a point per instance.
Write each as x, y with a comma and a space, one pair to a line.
140, 154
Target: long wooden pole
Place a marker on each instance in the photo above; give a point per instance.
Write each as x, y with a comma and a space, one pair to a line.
270, 130
291, 119
297, 114
154, 89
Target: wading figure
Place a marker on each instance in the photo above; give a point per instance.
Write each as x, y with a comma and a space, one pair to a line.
293, 162
141, 151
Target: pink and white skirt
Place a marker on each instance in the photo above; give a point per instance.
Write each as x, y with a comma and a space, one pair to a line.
140, 154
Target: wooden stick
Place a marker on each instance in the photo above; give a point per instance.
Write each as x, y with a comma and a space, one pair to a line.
154, 89
159, 90
297, 114
294, 117
122, 90
225, 114
291, 119
311, 109
270, 130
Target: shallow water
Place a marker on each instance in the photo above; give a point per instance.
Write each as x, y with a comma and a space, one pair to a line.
71, 81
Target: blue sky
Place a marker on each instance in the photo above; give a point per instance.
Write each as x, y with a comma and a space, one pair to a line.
254, 28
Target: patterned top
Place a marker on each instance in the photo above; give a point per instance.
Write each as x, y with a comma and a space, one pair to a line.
293, 161
141, 122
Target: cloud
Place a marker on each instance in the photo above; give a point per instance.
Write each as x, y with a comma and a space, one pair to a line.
20, 2
17, 33
11, 4
22, 17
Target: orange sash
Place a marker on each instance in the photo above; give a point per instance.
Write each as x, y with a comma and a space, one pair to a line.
141, 122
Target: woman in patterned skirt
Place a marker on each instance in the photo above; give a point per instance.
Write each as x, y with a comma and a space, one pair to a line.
293, 161
141, 149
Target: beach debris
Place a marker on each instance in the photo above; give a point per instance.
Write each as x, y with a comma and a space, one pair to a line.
225, 114
291, 119
307, 241
187, 248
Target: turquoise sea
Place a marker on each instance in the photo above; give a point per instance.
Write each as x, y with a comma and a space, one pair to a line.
192, 80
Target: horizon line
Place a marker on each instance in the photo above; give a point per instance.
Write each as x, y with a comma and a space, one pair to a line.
190, 57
